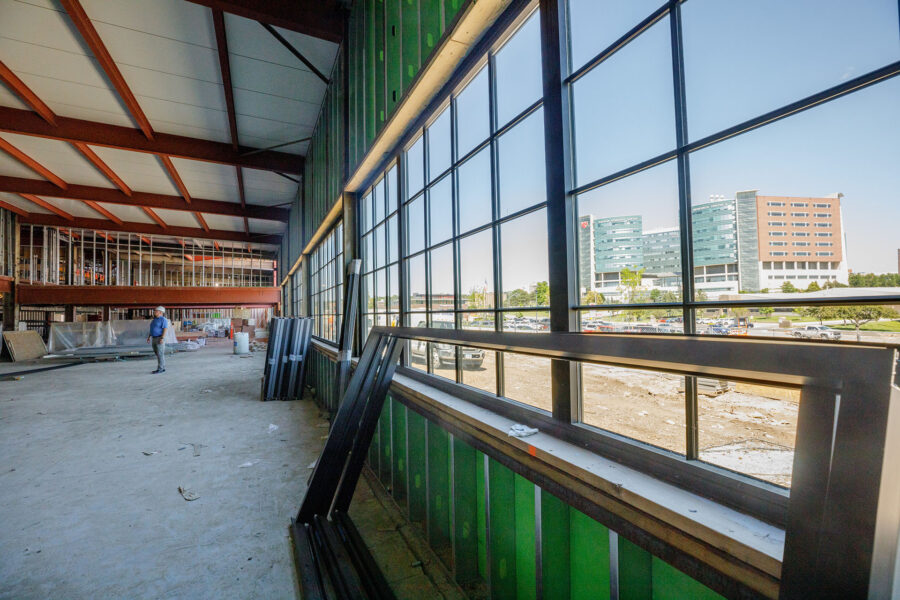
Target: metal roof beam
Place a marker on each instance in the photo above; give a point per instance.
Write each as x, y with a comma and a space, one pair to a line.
317, 18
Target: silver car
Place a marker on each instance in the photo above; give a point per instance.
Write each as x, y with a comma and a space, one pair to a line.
816, 332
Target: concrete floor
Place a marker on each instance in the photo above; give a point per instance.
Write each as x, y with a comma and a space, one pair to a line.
85, 514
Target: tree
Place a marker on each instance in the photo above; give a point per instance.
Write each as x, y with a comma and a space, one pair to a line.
813, 287
593, 297
476, 297
819, 313
788, 288
860, 315
542, 294
766, 311
631, 281
518, 297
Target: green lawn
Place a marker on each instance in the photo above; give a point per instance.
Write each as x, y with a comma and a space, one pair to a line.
891, 326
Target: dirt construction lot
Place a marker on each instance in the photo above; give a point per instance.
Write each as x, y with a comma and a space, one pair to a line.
749, 429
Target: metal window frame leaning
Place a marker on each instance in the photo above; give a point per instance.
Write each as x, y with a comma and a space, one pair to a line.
841, 524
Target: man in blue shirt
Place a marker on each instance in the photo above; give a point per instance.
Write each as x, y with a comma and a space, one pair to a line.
157, 337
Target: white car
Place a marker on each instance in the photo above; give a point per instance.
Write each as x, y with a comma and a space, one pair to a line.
816, 332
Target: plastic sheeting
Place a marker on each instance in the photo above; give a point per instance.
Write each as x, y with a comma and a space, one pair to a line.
98, 334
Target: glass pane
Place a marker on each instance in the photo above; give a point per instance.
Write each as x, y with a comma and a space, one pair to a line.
368, 293
624, 110
527, 322
474, 178
633, 320
824, 176
415, 168
521, 165
365, 213
748, 428
381, 291
629, 247
518, 71
596, 24
416, 284
476, 271
439, 145
379, 246
392, 240
526, 379
524, 261
441, 207
443, 356
479, 366
473, 123
442, 278
415, 225
798, 48
378, 201
392, 191
368, 257
643, 405
393, 288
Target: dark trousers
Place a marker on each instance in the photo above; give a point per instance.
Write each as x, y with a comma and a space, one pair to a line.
159, 348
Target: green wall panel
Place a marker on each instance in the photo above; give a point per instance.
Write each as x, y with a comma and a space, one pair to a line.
502, 530
429, 26
369, 71
384, 429
379, 65
555, 546
481, 507
526, 583
589, 551
415, 431
410, 41
393, 29
451, 7
398, 454
465, 512
374, 454
439, 492
671, 584
635, 572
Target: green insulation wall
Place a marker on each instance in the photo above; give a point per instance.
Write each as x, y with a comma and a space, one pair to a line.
387, 43
498, 533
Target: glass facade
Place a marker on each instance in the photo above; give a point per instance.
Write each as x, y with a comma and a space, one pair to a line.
326, 285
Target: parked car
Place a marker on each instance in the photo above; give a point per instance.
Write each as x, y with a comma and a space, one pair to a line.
445, 354
816, 332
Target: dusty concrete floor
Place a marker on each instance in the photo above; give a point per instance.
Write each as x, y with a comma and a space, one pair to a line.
84, 513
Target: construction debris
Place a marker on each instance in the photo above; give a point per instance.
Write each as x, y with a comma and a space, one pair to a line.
518, 430
187, 494
24, 345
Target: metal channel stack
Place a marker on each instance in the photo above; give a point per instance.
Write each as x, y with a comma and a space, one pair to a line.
331, 558
286, 358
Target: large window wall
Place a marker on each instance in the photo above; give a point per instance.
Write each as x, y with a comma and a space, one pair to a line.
326, 284
379, 225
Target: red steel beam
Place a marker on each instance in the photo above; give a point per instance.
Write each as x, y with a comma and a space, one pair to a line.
317, 18
176, 178
25, 93
104, 168
147, 228
13, 208
32, 164
114, 295
44, 204
26, 122
98, 48
103, 212
155, 217
225, 69
201, 221
19, 185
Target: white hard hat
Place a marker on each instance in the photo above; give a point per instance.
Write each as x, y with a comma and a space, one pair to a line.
161, 309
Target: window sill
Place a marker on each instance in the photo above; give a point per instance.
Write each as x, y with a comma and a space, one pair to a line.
743, 549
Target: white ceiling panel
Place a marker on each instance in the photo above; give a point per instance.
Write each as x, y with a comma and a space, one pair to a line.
40, 44
177, 218
128, 213
11, 167
172, 19
278, 108
287, 82
142, 172
225, 223
61, 158
261, 226
8, 98
263, 187
22, 203
75, 208
186, 120
267, 133
211, 181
